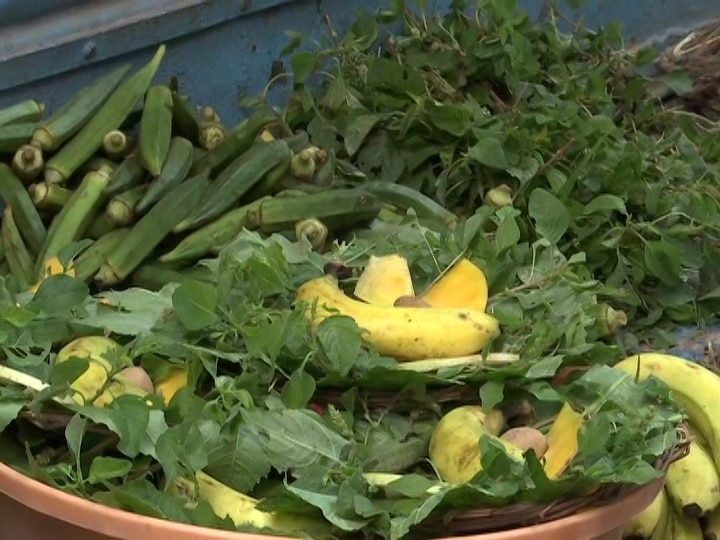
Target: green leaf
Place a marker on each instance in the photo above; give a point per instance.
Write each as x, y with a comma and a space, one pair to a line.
508, 234
549, 214
489, 152
11, 403
299, 389
664, 260
303, 65
240, 461
491, 394
605, 202
678, 81
74, 434
340, 339
132, 417
547, 367
295, 438
358, 130
103, 469
195, 303
59, 294
454, 119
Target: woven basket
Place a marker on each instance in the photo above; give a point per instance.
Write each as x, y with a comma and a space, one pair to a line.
524, 514
491, 519
698, 55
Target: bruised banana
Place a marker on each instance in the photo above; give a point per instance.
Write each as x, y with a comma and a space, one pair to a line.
693, 484
240, 508
694, 387
712, 525
684, 528
642, 525
406, 333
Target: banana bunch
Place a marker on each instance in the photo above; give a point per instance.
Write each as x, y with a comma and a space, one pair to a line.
689, 505
407, 328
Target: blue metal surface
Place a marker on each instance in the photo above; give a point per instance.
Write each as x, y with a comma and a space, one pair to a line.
223, 50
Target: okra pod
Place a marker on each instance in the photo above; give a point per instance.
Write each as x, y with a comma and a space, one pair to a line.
77, 214
174, 171
150, 230
269, 183
120, 210
95, 162
117, 144
211, 236
184, 118
99, 227
237, 141
89, 261
49, 197
155, 128
26, 216
13, 136
28, 162
154, 276
110, 116
405, 197
16, 253
128, 174
25, 111
77, 111
336, 209
236, 180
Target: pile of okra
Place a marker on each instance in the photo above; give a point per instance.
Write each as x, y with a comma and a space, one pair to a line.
129, 183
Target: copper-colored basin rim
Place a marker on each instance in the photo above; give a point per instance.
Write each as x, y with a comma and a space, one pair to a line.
115, 523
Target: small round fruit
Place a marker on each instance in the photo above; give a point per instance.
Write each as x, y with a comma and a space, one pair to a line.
101, 353
138, 377
526, 438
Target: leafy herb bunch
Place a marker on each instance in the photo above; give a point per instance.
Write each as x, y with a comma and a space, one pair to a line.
456, 105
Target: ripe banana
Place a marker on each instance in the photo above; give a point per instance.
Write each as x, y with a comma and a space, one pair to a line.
454, 447
642, 525
660, 532
684, 528
240, 508
693, 484
405, 333
693, 386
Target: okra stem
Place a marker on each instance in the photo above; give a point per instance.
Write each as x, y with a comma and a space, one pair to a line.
49, 197
314, 230
28, 162
302, 165
120, 210
116, 144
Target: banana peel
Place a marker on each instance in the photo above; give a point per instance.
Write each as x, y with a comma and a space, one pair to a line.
52, 267
463, 286
562, 441
240, 508
166, 387
384, 280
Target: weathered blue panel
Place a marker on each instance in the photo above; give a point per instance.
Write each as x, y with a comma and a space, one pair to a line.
222, 50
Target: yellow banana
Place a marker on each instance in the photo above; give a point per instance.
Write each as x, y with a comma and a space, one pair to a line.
685, 528
693, 386
693, 484
645, 522
404, 333
240, 508
454, 447
712, 525
664, 521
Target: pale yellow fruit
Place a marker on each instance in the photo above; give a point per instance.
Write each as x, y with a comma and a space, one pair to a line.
454, 448
404, 333
101, 354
